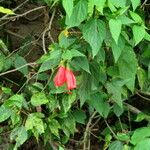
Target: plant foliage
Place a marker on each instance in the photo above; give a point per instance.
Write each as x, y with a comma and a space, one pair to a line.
106, 44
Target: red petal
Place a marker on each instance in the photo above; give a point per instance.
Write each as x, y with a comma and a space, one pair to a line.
70, 79
60, 77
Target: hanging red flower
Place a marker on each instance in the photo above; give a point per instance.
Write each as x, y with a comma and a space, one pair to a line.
70, 79
65, 76
60, 77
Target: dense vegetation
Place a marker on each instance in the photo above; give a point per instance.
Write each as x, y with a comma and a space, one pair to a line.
75, 74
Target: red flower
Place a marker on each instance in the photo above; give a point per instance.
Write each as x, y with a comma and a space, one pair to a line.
60, 77
70, 79
65, 75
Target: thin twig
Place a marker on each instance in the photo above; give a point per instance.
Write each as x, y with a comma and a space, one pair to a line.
5, 16
26, 82
94, 135
143, 93
129, 119
16, 69
87, 129
144, 3
143, 97
23, 14
46, 30
115, 136
120, 123
95, 123
132, 108
43, 42
50, 26
32, 42
14, 34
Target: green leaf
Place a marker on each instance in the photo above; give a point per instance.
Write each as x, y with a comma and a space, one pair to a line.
79, 116
6, 11
115, 89
127, 64
15, 100
76, 53
141, 74
117, 48
113, 71
35, 124
140, 134
47, 65
98, 3
147, 37
123, 137
4, 47
82, 62
2, 62
68, 125
116, 145
20, 61
35, 88
97, 74
68, 100
143, 145
118, 3
5, 113
68, 6
138, 33
50, 60
78, 15
15, 118
69, 54
125, 20
61, 148
54, 54
136, 17
53, 102
65, 41
135, 4
108, 139
6, 90
126, 147
117, 110
141, 116
122, 11
97, 100
111, 6
19, 134
54, 126
94, 33
101, 55
85, 88
38, 99
115, 28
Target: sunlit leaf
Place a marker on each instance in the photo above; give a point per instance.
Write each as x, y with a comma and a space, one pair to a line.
135, 3
138, 33
38, 99
6, 11
68, 6
115, 28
